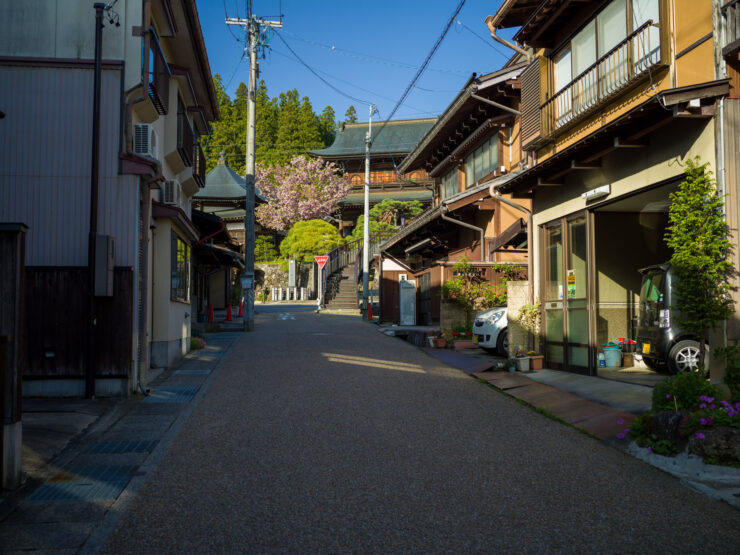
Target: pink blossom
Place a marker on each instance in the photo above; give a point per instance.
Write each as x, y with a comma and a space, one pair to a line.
304, 189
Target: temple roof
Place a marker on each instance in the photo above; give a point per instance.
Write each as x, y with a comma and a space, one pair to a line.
223, 183
397, 137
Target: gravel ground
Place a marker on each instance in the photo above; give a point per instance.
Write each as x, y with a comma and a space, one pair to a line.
321, 435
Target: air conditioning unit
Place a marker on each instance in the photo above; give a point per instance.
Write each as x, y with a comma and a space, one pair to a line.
145, 140
171, 192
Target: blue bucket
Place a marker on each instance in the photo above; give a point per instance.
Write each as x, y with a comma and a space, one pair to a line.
613, 357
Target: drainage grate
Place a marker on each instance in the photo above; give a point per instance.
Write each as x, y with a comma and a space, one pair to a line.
192, 372
120, 447
86, 483
172, 394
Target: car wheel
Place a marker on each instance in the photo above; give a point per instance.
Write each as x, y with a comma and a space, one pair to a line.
502, 343
684, 357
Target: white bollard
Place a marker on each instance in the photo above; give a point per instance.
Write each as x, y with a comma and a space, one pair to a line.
280, 294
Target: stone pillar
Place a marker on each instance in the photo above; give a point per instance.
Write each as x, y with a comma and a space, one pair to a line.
12, 262
517, 292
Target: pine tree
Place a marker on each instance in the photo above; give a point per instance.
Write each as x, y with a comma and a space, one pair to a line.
220, 135
288, 134
350, 116
266, 125
327, 125
308, 127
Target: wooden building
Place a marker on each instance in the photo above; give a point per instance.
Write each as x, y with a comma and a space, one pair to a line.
391, 142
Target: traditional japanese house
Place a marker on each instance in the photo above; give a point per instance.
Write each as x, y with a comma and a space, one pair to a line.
617, 95
474, 144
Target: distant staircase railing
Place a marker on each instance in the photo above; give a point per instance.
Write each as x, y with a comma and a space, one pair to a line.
351, 253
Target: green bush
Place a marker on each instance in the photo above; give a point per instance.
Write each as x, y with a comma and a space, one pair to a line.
682, 392
644, 431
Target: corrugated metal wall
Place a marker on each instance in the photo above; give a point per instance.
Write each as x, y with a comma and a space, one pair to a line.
45, 149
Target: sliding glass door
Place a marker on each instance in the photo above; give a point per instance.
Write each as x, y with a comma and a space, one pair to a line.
566, 294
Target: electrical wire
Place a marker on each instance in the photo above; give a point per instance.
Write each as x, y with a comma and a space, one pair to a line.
488, 42
353, 98
226, 15
378, 95
236, 68
369, 57
422, 68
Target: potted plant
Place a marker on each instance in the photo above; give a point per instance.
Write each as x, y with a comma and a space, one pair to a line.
437, 339
536, 360
521, 359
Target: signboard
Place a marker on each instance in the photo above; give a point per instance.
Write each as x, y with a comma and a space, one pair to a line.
291, 273
571, 284
321, 260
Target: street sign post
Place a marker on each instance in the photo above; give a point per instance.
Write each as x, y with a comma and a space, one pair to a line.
321, 261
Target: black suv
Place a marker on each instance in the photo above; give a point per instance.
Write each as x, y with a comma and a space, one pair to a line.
660, 339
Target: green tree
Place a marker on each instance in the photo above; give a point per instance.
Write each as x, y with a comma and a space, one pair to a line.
264, 249
222, 135
327, 125
288, 133
386, 216
266, 125
309, 134
698, 236
394, 211
350, 116
308, 239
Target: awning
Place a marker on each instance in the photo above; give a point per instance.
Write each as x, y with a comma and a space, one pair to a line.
220, 255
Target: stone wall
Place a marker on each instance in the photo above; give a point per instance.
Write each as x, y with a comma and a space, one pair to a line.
451, 314
270, 275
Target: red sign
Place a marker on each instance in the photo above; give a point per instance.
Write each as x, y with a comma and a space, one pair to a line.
321, 260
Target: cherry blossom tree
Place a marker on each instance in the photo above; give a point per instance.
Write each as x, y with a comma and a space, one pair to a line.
303, 189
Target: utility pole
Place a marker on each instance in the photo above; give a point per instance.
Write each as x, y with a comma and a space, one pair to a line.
253, 27
366, 230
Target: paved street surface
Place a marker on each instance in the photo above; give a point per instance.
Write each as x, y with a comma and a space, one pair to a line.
317, 434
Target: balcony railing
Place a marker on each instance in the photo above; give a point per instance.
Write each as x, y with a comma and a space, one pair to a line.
627, 62
159, 77
731, 15
199, 167
185, 139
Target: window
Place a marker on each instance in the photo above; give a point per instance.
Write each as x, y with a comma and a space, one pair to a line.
159, 76
449, 184
482, 161
184, 134
180, 286
600, 59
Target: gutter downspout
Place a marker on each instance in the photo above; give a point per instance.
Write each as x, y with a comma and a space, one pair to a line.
526, 53
220, 229
469, 226
530, 223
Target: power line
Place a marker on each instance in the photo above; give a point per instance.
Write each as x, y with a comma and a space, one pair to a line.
422, 68
369, 57
348, 82
280, 36
488, 42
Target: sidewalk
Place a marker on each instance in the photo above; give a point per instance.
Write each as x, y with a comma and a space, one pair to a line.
85, 459
601, 407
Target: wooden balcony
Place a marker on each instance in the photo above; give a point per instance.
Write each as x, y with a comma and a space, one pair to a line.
185, 142
628, 62
731, 16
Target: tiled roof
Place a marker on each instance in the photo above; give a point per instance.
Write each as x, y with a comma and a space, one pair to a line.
398, 137
223, 183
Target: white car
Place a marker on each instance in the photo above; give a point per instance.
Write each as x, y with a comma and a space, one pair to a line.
490, 330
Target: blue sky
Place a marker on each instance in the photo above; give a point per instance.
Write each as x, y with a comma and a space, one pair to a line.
368, 50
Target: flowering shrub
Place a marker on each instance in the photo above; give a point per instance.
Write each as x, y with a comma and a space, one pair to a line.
196, 343
711, 413
682, 392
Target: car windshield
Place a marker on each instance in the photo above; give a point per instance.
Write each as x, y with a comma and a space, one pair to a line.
651, 297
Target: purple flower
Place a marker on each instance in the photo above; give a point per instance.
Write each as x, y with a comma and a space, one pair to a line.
703, 398
703, 406
712, 407
620, 421
650, 449
667, 395
703, 421
700, 435
709, 399
620, 436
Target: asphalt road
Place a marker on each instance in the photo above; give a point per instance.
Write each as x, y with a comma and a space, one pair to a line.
321, 435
